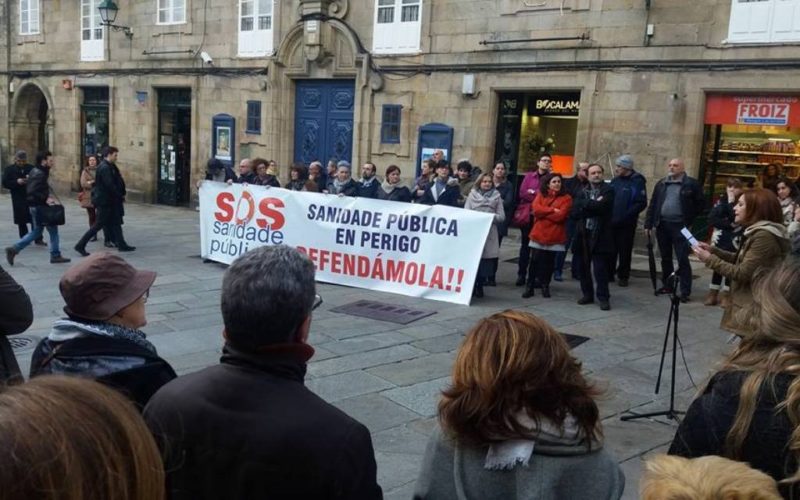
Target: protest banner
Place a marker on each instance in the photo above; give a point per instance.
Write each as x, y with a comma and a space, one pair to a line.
415, 250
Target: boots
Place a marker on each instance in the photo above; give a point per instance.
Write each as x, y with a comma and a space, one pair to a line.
725, 299
546, 291
711, 298
477, 290
529, 291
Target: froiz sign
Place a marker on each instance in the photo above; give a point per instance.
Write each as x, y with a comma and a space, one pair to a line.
568, 105
759, 113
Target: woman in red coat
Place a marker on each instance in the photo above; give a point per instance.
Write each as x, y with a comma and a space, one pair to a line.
549, 234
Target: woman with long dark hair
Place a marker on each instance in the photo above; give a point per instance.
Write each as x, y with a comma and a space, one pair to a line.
518, 421
750, 409
549, 234
764, 244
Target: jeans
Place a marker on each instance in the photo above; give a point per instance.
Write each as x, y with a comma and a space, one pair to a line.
524, 252
37, 234
562, 256
541, 267
669, 237
624, 235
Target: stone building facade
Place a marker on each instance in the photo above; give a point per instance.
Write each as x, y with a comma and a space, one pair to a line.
360, 79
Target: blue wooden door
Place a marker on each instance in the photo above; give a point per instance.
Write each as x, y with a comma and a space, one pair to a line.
323, 120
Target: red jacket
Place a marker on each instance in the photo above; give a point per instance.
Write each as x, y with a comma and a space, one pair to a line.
550, 227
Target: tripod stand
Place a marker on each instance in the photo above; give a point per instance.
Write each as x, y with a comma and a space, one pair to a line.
672, 321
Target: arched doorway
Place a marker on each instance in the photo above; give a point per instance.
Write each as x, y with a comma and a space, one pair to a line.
31, 121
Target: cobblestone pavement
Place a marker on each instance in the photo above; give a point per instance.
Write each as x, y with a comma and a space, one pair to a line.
386, 375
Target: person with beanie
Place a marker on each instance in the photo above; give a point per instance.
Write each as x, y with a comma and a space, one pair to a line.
630, 198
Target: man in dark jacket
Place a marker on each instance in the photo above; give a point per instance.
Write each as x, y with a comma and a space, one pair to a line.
38, 196
369, 184
108, 196
573, 186
16, 316
248, 428
442, 190
630, 198
15, 179
593, 243
677, 199
219, 172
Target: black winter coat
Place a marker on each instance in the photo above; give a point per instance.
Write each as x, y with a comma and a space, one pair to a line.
268, 180
600, 240
506, 190
370, 191
709, 418
721, 218
16, 316
448, 197
248, 428
692, 202
108, 193
18, 192
400, 193
350, 188
37, 190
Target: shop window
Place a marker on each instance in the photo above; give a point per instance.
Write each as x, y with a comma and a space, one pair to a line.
764, 21
91, 32
253, 117
397, 26
28, 17
171, 11
255, 28
390, 124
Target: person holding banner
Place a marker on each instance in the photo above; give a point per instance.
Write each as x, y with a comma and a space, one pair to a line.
343, 184
317, 174
549, 235
263, 177
391, 189
485, 198
246, 174
441, 191
423, 182
369, 185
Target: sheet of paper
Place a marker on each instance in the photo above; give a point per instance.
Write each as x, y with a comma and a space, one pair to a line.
689, 237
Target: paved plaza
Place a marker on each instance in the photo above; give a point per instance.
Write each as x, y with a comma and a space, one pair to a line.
389, 376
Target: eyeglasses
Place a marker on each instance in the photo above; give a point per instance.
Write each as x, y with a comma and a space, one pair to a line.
145, 296
546, 160
317, 301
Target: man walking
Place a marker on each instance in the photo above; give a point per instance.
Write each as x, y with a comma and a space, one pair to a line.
15, 179
677, 199
108, 196
248, 427
630, 198
369, 184
38, 196
593, 244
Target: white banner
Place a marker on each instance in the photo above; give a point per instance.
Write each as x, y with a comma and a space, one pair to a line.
415, 250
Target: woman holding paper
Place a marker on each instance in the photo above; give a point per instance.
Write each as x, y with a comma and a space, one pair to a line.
764, 244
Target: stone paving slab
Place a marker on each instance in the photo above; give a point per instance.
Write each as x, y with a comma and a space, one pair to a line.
390, 376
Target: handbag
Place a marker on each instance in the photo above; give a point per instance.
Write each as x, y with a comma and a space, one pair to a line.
51, 215
522, 215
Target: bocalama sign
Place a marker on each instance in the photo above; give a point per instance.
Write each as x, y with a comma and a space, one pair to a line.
415, 250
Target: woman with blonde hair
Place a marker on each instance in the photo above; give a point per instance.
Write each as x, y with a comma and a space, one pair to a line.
764, 243
483, 197
750, 409
519, 420
69, 438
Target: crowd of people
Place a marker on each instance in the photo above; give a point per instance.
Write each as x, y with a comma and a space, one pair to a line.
103, 416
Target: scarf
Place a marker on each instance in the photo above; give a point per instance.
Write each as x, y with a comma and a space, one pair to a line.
66, 329
505, 455
368, 182
593, 193
488, 193
388, 188
339, 185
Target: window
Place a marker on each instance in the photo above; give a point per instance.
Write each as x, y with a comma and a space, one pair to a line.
28, 17
171, 11
397, 26
764, 21
255, 28
253, 117
390, 124
91, 32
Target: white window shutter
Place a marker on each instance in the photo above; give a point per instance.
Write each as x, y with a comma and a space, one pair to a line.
786, 21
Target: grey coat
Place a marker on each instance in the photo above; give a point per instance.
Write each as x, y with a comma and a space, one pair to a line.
492, 205
456, 472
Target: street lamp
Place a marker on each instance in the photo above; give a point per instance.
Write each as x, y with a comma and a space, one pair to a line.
108, 14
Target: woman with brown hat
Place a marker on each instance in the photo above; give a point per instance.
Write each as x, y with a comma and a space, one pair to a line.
101, 337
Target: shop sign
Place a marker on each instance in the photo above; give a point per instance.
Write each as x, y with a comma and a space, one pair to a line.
752, 110
554, 105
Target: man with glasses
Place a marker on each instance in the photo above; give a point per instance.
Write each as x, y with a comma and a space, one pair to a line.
676, 201
527, 192
248, 427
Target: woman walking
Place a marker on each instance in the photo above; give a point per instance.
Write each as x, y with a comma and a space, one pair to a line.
484, 198
549, 235
764, 244
85, 196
